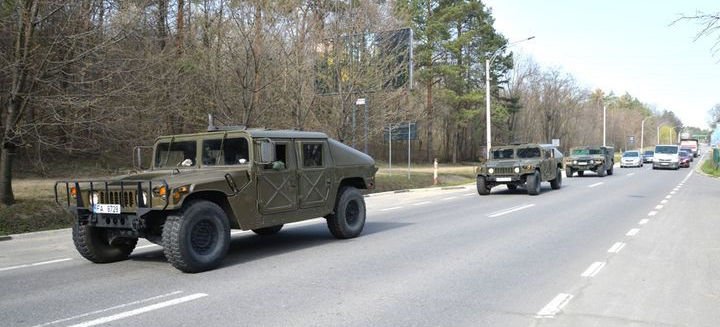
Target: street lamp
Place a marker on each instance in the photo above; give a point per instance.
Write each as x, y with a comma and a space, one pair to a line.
642, 134
488, 122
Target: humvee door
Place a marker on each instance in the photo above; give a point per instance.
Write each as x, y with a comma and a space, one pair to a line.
277, 181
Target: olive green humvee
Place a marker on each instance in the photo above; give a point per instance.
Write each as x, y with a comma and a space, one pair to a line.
524, 165
199, 186
599, 159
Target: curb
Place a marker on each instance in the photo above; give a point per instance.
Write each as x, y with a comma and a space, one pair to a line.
5, 238
427, 189
40, 233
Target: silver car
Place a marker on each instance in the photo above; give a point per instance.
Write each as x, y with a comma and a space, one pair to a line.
631, 159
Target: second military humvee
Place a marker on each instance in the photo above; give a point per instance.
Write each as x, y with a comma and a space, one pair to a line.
521, 165
599, 159
199, 186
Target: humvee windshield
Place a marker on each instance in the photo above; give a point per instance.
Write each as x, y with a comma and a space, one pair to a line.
175, 154
585, 152
527, 153
503, 154
232, 151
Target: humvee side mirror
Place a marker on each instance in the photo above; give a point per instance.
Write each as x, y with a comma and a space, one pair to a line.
267, 151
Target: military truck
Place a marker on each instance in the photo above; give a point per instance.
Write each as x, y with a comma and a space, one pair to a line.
599, 159
521, 165
200, 186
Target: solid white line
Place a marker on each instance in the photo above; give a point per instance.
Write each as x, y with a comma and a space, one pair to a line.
448, 198
35, 264
138, 311
652, 213
630, 174
109, 309
632, 232
391, 208
421, 203
507, 211
658, 207
616, 247
596, 184
664, 201
643, 221
593, 270
469, 194
554, 307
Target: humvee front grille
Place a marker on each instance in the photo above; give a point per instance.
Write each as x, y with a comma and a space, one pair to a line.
503, 171
125, 199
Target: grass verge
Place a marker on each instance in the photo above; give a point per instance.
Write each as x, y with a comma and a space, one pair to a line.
400, 181
708, 167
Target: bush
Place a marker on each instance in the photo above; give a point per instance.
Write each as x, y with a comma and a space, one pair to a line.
33, 215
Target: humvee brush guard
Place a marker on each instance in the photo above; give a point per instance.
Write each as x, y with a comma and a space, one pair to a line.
199, 186
525, 165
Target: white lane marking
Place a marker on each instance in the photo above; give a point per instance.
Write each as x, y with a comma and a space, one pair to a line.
652, 213
142, 310
616, 247
643, 221
664, 201
632, 232
554, 306
630, 174
596, 184
391, 208
469, 194
668, 196
448, 198
109, 309
421, 203
507, 211
35, 264
659, 206
593, 270
672, 192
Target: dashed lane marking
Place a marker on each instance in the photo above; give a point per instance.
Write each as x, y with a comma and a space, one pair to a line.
632, 232
593, 270
630, 174
616, 247
391, 208
42, 263
664, 201
554, 306
643, 221
510, 210
421, 203
596, 184
469, 194
652, 213
658, 207
668, 196
448, 198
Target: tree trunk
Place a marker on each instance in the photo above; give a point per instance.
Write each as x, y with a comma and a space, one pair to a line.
429, 110
6, 193
179, 41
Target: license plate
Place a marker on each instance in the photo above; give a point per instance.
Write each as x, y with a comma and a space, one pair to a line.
107, 208
664, 163
582, 163
503, 179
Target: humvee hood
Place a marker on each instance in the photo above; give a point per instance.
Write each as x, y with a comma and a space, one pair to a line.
502, 163
344, 155
175, 178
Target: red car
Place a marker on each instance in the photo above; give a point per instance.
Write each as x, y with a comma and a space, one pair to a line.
685, 159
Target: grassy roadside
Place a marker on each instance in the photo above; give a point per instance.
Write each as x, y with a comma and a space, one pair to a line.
708, 167
35, 208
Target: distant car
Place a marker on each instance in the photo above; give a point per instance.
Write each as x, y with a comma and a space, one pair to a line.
690, 151
685, 158
631, 159
648, 156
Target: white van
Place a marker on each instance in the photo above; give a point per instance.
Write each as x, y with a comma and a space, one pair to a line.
667, 156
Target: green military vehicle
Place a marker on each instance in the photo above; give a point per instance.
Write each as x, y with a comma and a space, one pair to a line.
199, 186
521, 165
599, 159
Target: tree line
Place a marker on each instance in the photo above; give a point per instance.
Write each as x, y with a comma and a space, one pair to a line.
86, 80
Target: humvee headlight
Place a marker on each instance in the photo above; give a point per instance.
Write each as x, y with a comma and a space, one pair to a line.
179, 192
592, 161
574, 162
490, 170
517, 170
160, 191
94, 198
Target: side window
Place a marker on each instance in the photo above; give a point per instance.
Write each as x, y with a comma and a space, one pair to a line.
312, 155
234, 152
280, 162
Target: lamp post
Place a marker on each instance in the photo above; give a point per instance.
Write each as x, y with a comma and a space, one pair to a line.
488, 121
604, 124
642, 134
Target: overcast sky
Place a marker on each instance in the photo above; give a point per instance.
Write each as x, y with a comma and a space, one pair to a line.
622, 46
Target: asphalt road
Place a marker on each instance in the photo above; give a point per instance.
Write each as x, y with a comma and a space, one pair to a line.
639, 248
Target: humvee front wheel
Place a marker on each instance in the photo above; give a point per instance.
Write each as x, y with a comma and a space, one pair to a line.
533, 183
482, 186
199, 239
557, 182
268, 230
601, 171
348, 219
512, 187
610, 171
569, 172
94, 244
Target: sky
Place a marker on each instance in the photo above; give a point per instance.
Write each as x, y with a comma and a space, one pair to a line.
622, 46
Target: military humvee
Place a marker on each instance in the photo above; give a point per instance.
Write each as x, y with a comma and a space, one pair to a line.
525, 165
199, 186
599, 159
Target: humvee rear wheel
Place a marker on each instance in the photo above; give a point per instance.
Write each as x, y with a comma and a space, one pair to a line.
610, 171
557, 182
533, 184
348, 219
199, 239
569, 172
94, 244
268, 230
601, 171
482, 186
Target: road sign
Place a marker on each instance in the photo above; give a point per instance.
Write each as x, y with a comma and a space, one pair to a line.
400, 131
360, 101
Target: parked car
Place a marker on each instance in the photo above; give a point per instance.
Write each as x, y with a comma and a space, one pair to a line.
685, 158
648, 156
631, 159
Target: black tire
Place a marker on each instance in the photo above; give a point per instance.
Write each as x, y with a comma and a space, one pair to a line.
268, 230
610, 171
512, 187
556, 183
482, 186
601, 171
581, 173
533, 184
569, 172
199, 239
93, 244
348, 220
